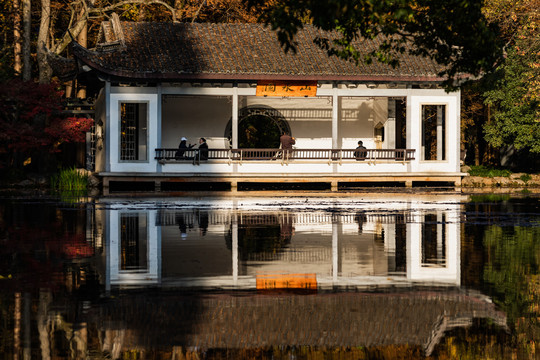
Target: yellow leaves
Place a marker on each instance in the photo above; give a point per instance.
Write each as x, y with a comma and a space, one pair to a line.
28, 161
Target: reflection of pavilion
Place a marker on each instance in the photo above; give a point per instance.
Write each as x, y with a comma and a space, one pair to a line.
409, 243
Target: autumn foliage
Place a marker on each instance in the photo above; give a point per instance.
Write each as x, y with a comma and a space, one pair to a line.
31, 121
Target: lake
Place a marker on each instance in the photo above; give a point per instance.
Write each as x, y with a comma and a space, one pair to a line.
366, 276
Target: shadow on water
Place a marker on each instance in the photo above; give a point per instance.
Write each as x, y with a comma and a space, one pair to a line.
398, 276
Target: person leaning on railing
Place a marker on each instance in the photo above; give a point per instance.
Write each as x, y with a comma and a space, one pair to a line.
286, 141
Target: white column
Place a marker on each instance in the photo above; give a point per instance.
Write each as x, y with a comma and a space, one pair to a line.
440, 238
335, 252
235, 249
235, 118
158, 127
108, 137
335, 118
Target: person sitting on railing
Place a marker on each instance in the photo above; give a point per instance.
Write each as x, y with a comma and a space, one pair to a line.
360, 152
182, 147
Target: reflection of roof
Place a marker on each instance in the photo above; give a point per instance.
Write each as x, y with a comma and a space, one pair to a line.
243, 321
182, 51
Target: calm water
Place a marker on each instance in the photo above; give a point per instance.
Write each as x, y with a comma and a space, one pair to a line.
363, 277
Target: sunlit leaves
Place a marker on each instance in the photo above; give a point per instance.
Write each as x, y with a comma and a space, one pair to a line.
516, 118
452, 32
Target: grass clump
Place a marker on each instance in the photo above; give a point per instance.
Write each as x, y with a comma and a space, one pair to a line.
490, 172
69, 179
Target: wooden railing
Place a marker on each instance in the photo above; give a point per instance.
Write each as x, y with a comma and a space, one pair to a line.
332, 155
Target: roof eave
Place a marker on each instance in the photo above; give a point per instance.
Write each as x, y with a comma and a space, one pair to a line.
130, 76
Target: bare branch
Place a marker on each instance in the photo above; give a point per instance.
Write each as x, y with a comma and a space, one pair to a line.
76, 26
146, 2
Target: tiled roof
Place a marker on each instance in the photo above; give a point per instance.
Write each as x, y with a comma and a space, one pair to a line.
182, 51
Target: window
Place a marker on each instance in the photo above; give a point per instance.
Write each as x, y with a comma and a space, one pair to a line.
434, 240
433, 132
133, 242
133, 131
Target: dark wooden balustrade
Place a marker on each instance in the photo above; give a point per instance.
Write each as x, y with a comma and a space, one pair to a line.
283, 155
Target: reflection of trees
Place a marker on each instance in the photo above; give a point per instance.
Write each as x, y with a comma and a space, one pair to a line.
481, 340
512, 271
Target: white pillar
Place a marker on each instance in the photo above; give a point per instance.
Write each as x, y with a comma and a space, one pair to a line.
235, 118
235, 249
335, 252
158, 127
335, 118
108, 137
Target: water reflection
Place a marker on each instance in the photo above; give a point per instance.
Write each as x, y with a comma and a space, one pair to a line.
269, 279
243, 248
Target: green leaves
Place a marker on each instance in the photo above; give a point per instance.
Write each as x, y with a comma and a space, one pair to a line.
515, 120
454, 33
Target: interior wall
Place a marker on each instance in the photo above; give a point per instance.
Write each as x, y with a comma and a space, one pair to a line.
310, 119
195, 117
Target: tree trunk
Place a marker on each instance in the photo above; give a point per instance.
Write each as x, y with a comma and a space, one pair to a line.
27, 27
82, 39
17, 38
45, 71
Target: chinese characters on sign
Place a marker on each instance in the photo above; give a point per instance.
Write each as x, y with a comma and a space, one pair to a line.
286, 281
286, 88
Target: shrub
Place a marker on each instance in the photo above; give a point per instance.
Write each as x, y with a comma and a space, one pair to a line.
485, 171
525, 177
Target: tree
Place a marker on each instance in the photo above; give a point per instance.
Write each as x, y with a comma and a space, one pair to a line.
516, 118
514, 90
27, 26
454, 33
21, 137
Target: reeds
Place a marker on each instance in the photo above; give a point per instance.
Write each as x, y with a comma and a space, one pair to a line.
71, 185
71, 179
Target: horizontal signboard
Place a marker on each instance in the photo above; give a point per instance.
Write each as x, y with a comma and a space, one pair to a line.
287, 88
287, 281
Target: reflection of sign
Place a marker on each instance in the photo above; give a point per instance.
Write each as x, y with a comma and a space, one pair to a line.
287, 281
287, 88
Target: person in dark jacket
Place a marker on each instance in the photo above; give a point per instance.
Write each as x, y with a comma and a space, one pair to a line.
182, 147
360, 151
203, 150
287, 141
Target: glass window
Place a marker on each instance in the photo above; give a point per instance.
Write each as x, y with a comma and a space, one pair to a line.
133, 131
434, 240
433, 132
133, 242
